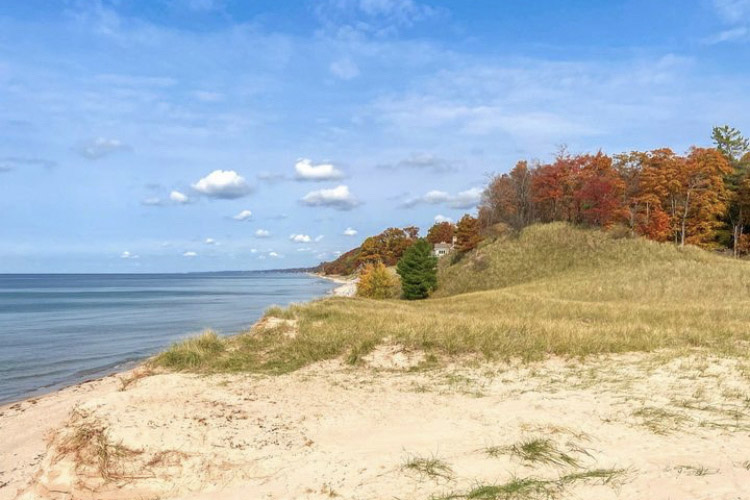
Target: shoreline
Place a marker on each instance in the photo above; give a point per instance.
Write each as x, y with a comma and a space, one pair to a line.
347, 285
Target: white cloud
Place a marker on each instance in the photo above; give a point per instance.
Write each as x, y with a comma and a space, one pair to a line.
226, 184
210, 241
307, 171
463, 200
339, 198
262, 233
466, 199
350, 232
274, 255
243, 215
100, 147
434, 197
344, 69
128, 255
442, 218
189, 254
319, 238
178, 197
300, 238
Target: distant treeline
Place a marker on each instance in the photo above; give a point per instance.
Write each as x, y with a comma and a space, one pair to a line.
700, 198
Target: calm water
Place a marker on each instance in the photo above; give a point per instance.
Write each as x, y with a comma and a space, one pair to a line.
57, 330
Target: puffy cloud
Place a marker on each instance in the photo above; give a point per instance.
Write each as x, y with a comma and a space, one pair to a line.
101, 147
300, 238
339, 198
127, 255
243, 215
305, 170
350, 232
344, 69
462, 200
210, 241
189, 254
225, 184
178, 197
274, 255
442, 218
262, 233
466, 199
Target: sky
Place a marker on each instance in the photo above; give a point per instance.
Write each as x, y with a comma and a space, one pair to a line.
205, 135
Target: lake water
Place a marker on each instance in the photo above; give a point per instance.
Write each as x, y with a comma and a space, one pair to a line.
57, 330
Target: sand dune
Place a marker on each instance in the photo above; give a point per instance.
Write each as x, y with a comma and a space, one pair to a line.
628, 426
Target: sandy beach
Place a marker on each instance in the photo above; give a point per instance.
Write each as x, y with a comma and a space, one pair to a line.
347, 286
659, 428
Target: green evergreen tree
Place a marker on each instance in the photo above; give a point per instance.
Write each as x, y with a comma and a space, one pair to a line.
418, 271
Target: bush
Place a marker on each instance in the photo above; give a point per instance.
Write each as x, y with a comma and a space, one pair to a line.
418, 271
377, 282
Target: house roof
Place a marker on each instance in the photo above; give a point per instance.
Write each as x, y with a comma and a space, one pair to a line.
442, 245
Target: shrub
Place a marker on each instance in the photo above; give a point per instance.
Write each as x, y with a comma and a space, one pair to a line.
418, 271
377, 282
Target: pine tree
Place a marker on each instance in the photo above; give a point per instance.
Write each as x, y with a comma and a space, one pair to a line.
418, 271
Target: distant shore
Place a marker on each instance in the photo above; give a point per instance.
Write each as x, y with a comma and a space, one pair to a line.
347, 288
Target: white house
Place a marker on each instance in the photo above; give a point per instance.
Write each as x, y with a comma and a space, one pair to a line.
441, 249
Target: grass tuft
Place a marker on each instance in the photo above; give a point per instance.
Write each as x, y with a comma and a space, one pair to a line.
535, 450
431, 467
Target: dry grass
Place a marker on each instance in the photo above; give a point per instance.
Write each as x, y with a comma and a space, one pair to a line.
556, 290
89, 445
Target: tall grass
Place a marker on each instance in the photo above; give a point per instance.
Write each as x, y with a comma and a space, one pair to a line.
554, 290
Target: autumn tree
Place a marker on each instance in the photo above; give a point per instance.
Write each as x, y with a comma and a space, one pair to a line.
376, 282
507, 198
441, 232
640, 209
467, 234
418, 271
694, 192
598, 190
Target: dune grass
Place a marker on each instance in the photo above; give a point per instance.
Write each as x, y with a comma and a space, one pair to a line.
555, 290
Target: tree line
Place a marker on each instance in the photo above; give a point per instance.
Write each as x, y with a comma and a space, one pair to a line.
700, 198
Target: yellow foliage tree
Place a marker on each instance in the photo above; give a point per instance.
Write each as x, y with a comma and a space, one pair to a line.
376, 282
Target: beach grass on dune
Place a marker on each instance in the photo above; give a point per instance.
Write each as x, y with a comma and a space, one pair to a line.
555, 290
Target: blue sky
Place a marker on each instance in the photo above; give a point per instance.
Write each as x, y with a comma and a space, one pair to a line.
195, 135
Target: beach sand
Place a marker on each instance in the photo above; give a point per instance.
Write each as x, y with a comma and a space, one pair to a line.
666, 427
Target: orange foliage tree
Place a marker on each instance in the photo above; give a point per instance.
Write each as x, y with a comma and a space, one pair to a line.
467, 234
441, 232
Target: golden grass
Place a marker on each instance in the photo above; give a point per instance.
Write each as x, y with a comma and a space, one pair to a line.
555, 290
